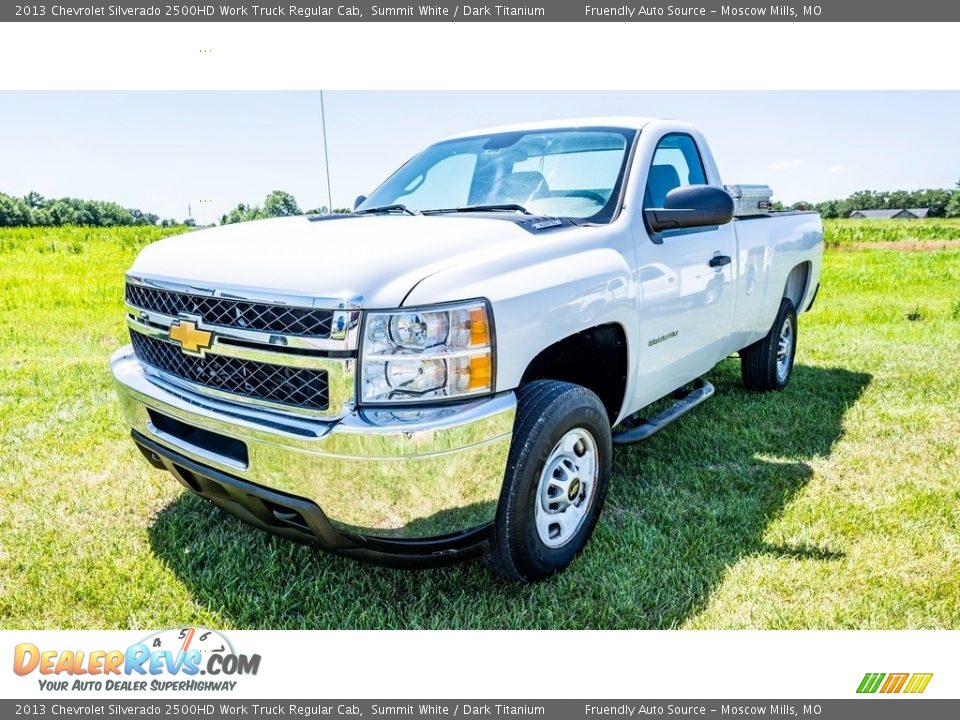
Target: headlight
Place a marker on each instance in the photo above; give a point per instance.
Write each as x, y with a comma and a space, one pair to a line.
426, 353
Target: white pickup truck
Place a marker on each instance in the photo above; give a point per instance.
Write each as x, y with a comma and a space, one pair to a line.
444, 372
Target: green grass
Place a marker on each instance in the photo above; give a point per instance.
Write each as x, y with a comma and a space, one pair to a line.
835, 504
838, 233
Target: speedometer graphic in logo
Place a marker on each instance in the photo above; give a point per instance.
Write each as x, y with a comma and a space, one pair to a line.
184, 639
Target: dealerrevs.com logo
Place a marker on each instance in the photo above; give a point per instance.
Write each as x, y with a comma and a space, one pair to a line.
181, 659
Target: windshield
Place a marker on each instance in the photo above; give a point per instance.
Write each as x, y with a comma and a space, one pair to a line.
560, 173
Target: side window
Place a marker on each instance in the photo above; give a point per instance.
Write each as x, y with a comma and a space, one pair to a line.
676, 163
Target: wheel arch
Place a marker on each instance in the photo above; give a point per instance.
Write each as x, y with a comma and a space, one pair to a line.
797, 284
596, 358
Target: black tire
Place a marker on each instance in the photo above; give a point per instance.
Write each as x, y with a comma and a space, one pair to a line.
547, 411
760, 364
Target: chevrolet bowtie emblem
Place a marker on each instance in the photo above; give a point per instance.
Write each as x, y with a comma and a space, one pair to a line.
190, 338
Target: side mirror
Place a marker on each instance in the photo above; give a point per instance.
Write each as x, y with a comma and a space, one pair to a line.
359, 201
691, 206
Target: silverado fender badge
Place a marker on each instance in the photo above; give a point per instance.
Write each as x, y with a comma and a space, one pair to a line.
191, 339
665, 336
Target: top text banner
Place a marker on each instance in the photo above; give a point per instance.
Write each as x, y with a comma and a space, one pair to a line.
447, 11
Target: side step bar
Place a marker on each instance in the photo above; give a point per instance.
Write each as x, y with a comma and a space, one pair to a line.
686, 402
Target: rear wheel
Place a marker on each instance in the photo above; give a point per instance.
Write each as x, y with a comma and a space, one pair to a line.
556, 481
768, 363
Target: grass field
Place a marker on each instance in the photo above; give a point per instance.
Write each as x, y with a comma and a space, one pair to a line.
835, 504
847, 233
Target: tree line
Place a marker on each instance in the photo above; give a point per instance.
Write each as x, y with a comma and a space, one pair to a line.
35, 210
278, 203
941, 202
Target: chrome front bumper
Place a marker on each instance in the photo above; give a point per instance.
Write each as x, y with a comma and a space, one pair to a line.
390, 474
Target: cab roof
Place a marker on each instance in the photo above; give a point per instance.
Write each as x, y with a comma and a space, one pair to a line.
628, 122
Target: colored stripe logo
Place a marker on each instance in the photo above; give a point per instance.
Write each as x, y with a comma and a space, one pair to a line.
913, 683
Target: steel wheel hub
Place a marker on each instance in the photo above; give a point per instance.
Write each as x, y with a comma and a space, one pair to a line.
784, 350
565, 490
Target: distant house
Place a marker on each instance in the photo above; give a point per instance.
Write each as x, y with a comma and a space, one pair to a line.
901, 214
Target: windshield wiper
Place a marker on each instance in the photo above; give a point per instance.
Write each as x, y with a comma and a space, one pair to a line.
504, 207
397, 207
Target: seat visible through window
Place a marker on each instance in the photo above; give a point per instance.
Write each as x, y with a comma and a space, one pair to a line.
676, 163
663, 179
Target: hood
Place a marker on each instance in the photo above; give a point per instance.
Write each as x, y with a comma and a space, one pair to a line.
378, 258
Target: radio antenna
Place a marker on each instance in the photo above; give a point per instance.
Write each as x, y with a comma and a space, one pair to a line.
326, 154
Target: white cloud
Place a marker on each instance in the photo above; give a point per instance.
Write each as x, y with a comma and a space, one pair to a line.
787, 164
838, 168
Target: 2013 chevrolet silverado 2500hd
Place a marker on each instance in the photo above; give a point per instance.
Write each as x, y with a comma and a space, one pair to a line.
444, 372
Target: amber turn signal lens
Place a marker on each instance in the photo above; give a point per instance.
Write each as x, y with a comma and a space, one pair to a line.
479, 330
480, 372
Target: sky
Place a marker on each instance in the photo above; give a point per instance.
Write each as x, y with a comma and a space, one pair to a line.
165, 152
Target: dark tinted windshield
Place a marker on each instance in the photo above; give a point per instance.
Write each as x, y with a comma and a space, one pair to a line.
573, 173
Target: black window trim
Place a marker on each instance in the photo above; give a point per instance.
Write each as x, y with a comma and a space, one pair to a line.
655, 237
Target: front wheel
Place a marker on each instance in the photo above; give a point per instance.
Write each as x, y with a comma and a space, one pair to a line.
555, 483
768, 363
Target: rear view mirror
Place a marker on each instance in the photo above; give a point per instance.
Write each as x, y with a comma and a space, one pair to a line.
691, 206
359, 201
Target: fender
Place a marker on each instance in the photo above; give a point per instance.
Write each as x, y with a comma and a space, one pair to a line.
538, 301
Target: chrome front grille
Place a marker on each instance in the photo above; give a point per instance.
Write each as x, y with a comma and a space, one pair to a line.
300, 387
227, 312
262, 349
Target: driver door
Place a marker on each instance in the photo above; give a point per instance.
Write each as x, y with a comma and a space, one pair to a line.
685, 279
